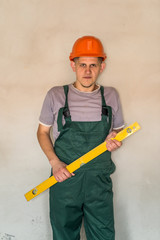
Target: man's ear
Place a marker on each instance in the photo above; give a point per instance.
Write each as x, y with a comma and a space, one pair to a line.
73, 66
103, 65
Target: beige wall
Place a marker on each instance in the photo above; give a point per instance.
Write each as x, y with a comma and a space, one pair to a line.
36, 39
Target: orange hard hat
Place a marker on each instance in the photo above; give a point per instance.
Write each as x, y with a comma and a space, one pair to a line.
87, 46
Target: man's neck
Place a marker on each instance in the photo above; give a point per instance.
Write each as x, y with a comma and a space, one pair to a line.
85, 89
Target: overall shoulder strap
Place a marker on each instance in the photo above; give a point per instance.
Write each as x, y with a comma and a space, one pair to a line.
66, 95
102, 96
106, 110
64, 111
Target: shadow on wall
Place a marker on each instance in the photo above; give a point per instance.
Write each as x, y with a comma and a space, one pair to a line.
82, 234
6, 236
121, 224
120, 214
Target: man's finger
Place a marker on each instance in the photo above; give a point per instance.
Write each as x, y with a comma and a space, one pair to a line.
111, 135
112, 144
67, 173
118, 143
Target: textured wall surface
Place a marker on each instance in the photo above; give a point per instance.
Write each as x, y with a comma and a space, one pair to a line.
36, 40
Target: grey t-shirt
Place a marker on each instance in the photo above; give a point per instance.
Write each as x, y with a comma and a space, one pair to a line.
83, 106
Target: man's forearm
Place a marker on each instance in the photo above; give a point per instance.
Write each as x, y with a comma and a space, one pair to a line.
58, 167
46, 145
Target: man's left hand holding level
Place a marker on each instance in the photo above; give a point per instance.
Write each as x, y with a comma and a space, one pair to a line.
112, 144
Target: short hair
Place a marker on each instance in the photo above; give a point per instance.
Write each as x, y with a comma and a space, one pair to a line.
100, 59
75, 59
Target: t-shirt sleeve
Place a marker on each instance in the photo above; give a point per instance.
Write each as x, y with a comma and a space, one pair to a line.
47, 115
118, 121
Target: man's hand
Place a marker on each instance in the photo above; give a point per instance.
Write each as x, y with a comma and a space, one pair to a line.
58, 167
59, 170
112, 144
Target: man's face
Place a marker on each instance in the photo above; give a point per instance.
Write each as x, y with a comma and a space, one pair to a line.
87, 70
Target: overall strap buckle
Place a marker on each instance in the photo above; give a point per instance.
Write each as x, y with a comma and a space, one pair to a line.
66, 112
105, 111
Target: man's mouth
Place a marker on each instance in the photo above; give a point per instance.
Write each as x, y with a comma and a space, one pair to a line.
87, 77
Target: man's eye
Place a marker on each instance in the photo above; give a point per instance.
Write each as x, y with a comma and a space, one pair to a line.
93, 65
82, 65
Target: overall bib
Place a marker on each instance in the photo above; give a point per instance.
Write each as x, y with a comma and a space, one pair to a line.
88, 194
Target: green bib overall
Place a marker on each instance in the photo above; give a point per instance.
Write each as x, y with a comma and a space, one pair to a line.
88, 194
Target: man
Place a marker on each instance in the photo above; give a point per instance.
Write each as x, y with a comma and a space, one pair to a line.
82, 115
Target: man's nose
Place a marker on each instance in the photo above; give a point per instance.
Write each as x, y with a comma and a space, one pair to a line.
88, 69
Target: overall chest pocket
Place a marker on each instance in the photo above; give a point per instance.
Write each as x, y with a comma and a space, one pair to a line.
86, 141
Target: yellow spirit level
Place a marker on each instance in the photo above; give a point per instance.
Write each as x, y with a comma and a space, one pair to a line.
81, 161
